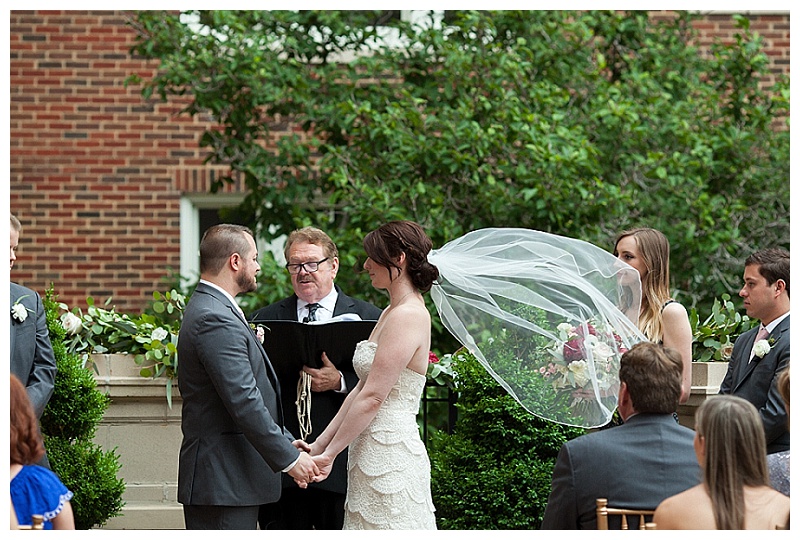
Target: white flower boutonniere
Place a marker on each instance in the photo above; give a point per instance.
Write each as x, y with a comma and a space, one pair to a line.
259, 331
761, 347
18, 311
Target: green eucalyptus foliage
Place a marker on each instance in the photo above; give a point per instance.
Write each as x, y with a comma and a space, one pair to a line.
495, 470
69, 423
580, 123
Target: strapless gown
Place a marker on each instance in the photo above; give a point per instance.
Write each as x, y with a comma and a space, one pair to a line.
388, 471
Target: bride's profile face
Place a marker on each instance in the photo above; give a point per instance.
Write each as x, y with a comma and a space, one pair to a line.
380, 275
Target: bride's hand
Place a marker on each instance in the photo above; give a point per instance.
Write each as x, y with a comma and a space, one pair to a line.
324, 463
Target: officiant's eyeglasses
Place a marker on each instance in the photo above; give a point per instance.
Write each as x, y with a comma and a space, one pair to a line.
309, 267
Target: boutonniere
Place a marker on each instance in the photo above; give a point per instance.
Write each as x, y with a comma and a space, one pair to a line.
763, 346
259, 331
18, 311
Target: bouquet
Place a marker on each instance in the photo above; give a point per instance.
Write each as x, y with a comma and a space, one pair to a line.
579, 351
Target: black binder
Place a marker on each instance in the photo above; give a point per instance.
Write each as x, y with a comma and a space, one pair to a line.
290, 344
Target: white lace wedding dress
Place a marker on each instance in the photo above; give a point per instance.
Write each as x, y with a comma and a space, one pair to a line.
388, 471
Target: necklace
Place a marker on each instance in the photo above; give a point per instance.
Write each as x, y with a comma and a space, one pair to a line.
402, 298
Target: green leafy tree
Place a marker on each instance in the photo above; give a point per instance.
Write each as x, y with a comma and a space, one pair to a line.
580, 123
69, 424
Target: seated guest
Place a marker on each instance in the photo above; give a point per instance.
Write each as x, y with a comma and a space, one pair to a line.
34, 489
735, 492
637, 464
778, 463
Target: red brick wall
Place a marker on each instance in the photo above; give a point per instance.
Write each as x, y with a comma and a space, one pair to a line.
96, 173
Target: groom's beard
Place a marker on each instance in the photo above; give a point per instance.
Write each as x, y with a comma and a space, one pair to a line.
246, 283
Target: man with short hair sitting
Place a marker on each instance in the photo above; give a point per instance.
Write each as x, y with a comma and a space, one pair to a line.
637, 464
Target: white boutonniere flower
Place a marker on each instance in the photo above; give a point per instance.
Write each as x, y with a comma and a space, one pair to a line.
259, 331
761, 347
18, 311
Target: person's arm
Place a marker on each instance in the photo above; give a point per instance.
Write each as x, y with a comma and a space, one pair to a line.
773, 413
41, 382
64, 520
224, 350
678, 336
561, 511
394, 352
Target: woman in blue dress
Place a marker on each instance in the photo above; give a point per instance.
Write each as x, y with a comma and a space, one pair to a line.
34, 489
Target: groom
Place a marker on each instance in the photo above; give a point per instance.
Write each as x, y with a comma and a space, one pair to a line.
32, 358
762, 353
234, 444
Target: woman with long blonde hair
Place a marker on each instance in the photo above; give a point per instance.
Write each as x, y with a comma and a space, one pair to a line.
735, 493
661, 318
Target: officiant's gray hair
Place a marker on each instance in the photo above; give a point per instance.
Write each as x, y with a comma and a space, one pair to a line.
219, 243
311, 235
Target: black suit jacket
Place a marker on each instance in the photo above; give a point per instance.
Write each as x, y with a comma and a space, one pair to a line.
324, 405
756, 381
32, 358
234, 445
635, 465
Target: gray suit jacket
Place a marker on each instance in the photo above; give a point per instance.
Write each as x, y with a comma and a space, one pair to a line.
32, 359
756, 381
635, 465
325, 405
234, 445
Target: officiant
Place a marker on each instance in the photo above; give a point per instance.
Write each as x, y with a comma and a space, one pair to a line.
312, 261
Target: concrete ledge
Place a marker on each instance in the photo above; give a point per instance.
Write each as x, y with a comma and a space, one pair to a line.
146, 434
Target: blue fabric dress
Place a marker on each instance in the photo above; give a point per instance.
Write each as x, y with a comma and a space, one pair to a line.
36, 490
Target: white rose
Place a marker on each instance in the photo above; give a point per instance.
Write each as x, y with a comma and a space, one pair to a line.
602, 351
578, 370
71, 323
19, 312
159, 334
761, 348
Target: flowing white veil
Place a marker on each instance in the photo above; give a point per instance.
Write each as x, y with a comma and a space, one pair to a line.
547, 316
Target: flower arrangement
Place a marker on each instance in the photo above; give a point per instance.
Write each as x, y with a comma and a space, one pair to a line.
150, 337
575, 353
440, 370
713, 338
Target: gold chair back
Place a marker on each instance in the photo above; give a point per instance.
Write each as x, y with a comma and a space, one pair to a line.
603, 511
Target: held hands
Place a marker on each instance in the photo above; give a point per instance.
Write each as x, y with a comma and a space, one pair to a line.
325, 378
324, 462
305, 470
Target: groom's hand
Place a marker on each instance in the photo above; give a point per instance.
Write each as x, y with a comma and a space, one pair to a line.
324, 463
304, 471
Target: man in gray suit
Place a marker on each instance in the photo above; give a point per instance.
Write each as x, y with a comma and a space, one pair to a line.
313, 262
762, 353
234, 444
637, 464
32, 359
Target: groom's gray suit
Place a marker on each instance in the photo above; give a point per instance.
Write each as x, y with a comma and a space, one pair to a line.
234, 446
32, 359
755, 380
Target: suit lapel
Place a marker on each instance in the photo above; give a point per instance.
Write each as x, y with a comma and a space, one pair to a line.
745, 367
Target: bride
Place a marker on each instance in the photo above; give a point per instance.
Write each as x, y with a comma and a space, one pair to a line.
388, 478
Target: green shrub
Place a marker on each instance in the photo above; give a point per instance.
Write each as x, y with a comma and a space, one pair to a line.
495, 470
69, 423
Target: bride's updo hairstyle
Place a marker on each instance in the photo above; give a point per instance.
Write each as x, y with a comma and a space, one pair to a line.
387, 242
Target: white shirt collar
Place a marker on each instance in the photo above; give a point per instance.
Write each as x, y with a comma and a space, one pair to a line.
223, 291
771, 326
325, 311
